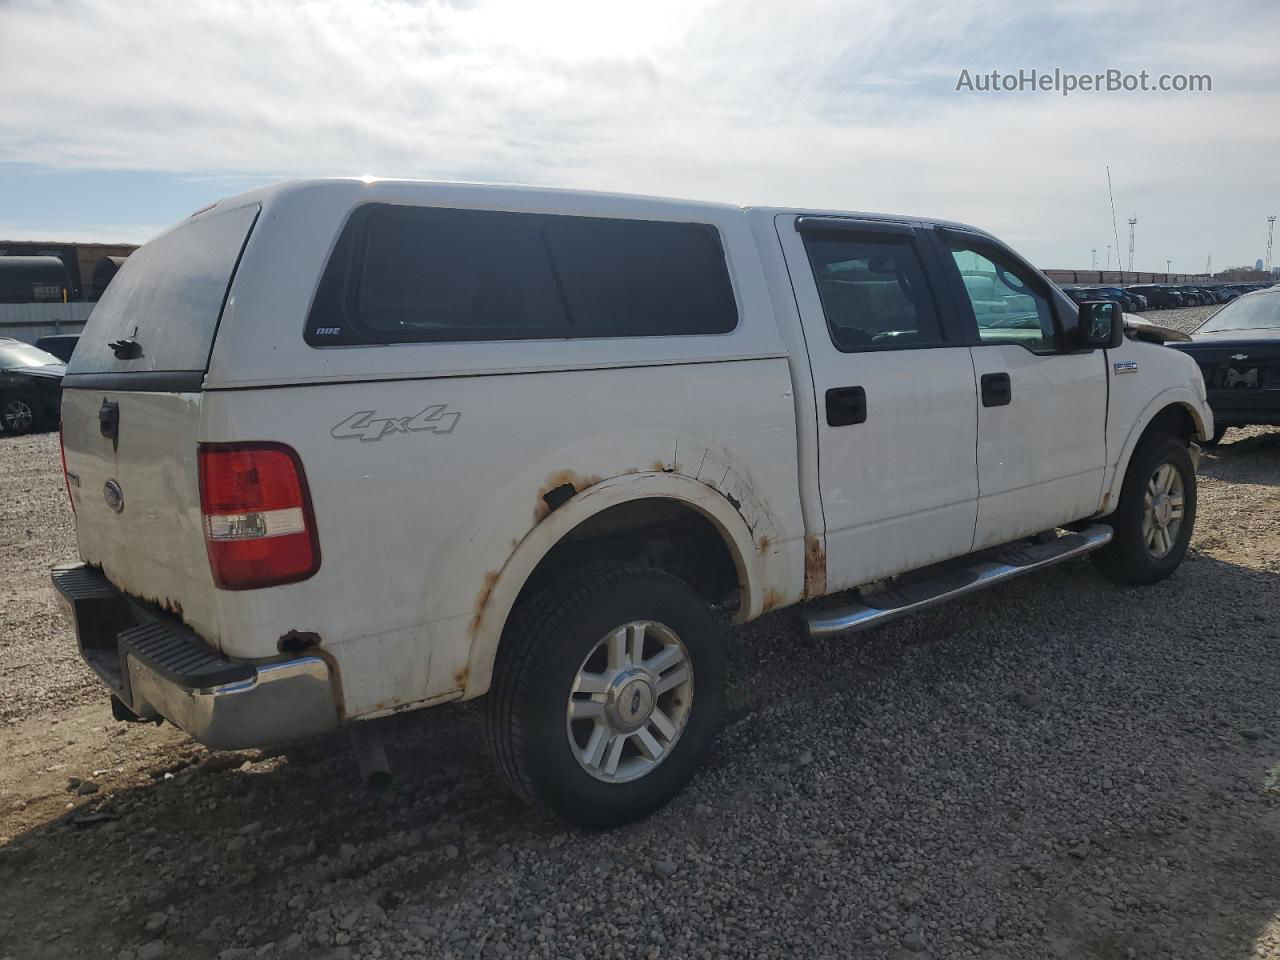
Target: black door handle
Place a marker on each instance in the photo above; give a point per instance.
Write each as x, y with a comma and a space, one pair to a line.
996, 390
109, 421
846, 405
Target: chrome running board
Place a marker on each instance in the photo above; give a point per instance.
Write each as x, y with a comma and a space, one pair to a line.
882, 604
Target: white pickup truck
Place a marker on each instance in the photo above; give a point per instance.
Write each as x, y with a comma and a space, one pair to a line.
344, 448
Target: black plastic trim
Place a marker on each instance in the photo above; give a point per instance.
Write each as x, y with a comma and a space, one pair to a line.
467, 374
141, 381
179, 657
820, 224
108, 621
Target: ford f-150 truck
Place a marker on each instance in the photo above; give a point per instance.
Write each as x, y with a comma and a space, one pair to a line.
343, 448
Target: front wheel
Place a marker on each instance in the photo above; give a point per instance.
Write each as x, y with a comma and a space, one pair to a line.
1155, 516
607, 693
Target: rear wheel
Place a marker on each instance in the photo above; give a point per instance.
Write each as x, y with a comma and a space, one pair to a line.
19, 414
1156, 514
608, 690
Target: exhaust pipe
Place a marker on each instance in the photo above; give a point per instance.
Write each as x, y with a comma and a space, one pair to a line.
366, 741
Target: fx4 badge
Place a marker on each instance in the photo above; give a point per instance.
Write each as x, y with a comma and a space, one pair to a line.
1125, 366
364, 425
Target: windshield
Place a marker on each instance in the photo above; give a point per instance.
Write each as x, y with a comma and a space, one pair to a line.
1247, 313
24, 355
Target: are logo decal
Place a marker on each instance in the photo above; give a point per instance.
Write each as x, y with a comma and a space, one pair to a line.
366, 427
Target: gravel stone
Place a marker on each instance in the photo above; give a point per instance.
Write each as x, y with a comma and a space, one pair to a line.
914, 942
666, 869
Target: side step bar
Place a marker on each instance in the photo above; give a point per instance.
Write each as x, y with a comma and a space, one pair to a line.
883, 604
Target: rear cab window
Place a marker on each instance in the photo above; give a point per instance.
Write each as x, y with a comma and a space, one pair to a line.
167, 298
406, 274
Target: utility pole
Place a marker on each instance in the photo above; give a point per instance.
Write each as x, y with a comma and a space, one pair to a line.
1168, 266
1271, 231
1093, 258
1208, 266
1133, 222
1108, 256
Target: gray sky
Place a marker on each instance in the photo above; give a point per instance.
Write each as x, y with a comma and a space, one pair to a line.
119, 118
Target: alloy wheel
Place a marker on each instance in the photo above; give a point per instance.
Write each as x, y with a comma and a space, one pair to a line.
1163, 503
18, 416
630, 701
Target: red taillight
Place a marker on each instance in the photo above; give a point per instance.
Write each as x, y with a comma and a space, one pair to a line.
258, 523
66, 479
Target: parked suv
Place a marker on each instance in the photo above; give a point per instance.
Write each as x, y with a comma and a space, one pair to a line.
340, 449
1129, 301
1158, 296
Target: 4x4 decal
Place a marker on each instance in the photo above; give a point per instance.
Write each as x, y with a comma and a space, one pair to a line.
364, 425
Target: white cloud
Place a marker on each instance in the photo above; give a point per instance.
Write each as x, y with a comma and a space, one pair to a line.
844, 105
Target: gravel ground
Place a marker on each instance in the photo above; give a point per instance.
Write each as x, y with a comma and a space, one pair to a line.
1058, 767
39, 670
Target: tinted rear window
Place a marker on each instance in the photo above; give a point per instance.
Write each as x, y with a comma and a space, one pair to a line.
410, 274
168, 297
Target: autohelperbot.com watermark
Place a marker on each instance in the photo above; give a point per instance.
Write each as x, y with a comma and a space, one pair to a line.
1066, 83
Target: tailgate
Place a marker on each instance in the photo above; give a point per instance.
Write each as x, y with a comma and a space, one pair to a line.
137, 498
131, 414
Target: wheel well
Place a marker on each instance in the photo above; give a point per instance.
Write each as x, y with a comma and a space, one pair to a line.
654, 532
1175, 419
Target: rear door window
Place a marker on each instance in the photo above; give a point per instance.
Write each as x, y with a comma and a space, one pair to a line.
412, 274
168, 298
874, 291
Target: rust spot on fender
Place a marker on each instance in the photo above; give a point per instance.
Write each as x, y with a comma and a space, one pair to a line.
558, 489
660, 467
764, 545
460, 677
482, 601
772, 600
815, 567
1106, 500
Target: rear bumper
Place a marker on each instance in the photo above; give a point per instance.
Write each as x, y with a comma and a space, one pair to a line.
157, 667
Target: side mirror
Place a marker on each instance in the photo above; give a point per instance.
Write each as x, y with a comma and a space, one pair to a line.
1100, 323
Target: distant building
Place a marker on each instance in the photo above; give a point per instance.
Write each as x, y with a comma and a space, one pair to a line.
1258, 266
90, 266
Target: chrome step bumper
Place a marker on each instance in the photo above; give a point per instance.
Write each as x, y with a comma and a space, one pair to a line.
158, 667
888, 603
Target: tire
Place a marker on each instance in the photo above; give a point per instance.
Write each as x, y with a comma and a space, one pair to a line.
20, 414
559, 642
1138, 554
1218, 434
